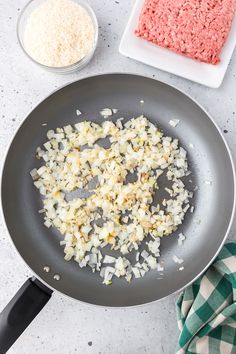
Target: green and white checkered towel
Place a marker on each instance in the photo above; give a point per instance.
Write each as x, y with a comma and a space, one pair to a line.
206, 310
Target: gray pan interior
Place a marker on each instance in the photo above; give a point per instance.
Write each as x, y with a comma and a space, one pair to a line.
210, 161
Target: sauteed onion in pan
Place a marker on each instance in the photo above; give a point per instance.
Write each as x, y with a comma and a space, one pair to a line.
103, 196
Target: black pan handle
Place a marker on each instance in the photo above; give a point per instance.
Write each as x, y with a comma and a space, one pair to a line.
21, 310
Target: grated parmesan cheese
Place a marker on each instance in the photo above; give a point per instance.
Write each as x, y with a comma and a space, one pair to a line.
59, 33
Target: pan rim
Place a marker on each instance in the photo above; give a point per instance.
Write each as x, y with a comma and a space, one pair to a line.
220, 134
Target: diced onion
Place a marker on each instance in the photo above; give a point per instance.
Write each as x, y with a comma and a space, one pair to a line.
88, 197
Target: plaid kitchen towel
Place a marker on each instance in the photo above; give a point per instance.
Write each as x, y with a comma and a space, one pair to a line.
206, 310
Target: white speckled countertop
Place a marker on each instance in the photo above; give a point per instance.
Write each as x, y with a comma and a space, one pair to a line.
66, 326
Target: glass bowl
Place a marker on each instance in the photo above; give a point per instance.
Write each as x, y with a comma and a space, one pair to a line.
24, 15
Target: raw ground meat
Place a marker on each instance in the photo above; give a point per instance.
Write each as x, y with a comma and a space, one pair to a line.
195, 28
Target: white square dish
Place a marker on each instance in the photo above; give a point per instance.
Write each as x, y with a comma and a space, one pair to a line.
164, 59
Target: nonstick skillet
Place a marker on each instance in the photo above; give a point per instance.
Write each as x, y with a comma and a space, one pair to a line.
206, 229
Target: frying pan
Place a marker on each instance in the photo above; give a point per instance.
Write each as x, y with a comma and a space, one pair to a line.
206, 229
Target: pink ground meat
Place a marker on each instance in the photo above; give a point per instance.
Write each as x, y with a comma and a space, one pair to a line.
195, 28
